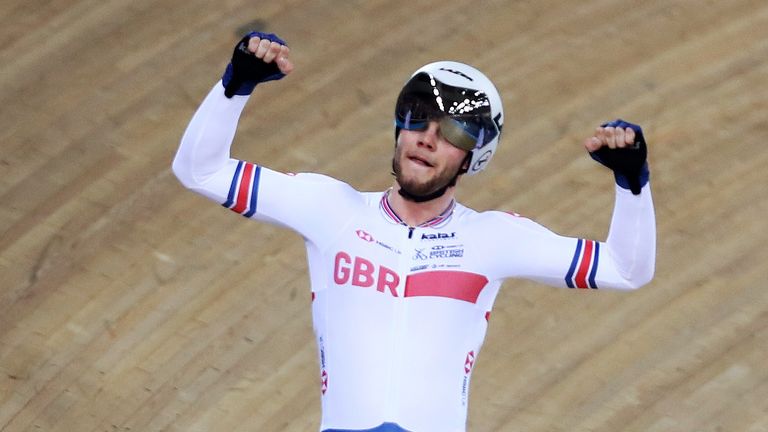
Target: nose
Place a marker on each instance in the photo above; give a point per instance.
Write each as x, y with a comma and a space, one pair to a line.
430, 136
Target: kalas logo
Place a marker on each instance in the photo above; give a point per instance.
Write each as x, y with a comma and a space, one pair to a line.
364, 235
438, 236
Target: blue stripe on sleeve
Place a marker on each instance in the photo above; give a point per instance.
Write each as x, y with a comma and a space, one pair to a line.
233, 186
254, 192
592, 274
569, 275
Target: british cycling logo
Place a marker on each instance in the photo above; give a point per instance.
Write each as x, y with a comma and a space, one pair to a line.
454, 251
439, 251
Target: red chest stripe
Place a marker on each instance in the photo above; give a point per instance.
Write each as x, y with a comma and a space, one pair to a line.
457, 285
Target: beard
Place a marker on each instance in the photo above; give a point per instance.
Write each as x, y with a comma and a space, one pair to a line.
414, 187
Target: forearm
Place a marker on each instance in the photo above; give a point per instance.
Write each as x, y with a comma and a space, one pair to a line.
205, 145
631, 242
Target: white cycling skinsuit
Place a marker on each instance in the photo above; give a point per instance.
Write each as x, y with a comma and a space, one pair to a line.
400, 312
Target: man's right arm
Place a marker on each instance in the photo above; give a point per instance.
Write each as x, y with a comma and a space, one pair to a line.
203, 163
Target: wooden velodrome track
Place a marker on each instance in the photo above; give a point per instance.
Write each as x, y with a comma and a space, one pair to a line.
130, 304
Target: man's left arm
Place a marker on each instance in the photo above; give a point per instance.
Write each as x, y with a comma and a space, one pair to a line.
626, 260
631, 242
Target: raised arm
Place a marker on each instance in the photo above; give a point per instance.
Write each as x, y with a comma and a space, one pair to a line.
203, 163
626, 260
631, 243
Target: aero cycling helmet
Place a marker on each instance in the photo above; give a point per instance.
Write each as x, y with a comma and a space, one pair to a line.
462, 99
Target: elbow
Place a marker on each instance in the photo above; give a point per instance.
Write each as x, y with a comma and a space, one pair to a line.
630, 280
637, 284
631, 271
639, 279
183, 172
646, 277
645, 274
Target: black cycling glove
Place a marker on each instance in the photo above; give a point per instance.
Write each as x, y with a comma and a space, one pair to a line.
629, 164
245, 71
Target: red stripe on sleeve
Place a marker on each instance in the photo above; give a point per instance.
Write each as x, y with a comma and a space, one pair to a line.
586, 261
451, 284
242, 195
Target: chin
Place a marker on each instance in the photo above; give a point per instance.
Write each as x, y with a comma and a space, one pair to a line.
417, 187
417, 178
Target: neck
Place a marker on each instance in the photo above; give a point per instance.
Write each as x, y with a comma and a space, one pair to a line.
416, 213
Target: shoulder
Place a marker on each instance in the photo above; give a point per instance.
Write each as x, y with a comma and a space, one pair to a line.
496, 221
472, 216
308, 180
311, 177
318, 189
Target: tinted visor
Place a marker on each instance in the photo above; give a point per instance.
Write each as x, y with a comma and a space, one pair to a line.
464, 114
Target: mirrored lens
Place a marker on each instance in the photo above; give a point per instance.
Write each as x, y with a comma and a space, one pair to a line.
464, 114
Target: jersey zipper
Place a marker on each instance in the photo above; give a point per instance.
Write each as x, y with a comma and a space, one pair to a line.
399, 329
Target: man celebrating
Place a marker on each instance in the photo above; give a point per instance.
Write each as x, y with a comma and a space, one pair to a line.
403, 280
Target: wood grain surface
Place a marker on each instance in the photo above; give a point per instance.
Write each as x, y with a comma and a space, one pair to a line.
130, 304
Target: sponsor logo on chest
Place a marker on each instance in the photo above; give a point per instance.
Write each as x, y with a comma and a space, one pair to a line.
438, 236
438, 252
368, 238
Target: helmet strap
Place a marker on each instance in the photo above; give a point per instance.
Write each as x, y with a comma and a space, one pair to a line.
464, 166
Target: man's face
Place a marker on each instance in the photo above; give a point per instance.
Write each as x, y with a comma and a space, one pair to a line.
425, 161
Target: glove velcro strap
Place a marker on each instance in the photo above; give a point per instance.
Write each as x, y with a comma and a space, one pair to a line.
641, 180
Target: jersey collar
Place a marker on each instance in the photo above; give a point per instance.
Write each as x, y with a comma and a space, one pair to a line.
432, 223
